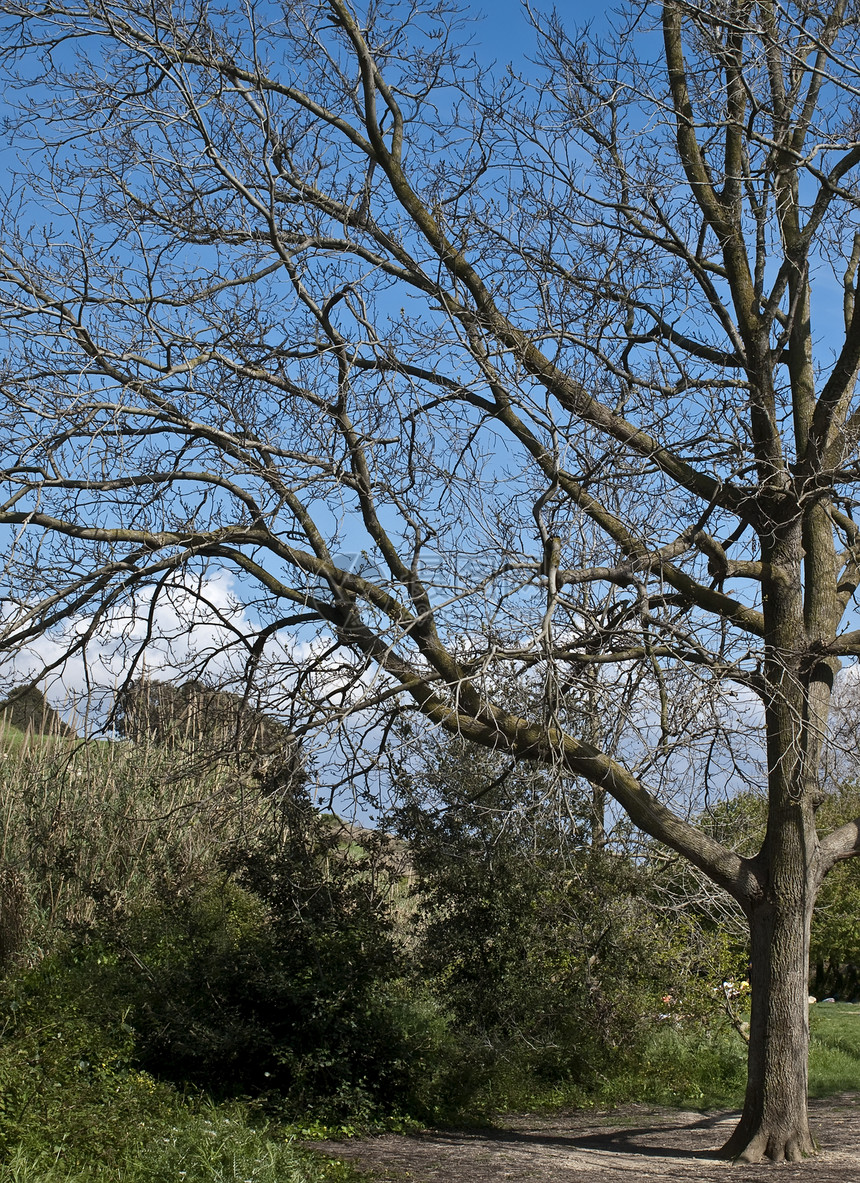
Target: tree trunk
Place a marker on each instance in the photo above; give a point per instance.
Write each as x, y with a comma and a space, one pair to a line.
775, 1123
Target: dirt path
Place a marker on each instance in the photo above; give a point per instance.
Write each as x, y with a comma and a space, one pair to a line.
611, 1146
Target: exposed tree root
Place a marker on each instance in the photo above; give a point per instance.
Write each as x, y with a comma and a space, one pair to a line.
768, 1145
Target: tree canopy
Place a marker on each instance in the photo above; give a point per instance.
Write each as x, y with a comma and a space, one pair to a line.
195, 714
29, 710
471, 381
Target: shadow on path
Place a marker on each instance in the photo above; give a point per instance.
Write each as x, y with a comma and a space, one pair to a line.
611, 1146
619, 1141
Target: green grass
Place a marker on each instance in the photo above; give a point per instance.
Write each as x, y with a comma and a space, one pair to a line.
126, 1127
834, 1057
18, 743
701, 1068
694, 1068
707, 1069
215, 1147
109, 1124
104, 813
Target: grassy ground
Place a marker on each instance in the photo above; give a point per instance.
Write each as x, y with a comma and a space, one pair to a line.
215, 1148
703, 1068
106, 1123
124, 1127
708, 1069
834, 1059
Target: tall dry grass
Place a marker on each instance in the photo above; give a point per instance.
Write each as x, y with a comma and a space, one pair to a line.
94, 825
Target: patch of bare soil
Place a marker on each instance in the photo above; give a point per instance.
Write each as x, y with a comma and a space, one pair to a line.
603, 1146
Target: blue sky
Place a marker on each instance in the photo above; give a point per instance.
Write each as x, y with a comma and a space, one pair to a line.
504, 33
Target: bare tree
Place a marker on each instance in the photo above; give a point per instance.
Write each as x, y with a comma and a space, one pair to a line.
288, 281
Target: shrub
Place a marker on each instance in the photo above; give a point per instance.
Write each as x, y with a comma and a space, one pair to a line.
546, 950
76, 1108
281, 976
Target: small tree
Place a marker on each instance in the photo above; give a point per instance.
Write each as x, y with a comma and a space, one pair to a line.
28, 710
542, 942
195, 714
292, 281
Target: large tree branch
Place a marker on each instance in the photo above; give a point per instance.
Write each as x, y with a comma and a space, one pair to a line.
841, 844
503, 731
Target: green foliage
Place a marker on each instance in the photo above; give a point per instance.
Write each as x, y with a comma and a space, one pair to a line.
75, 1106
99, 828
250, 940
548, 952
280, 977
193, 713
29, 711
738, 822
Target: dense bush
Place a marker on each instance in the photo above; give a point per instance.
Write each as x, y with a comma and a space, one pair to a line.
235, 941
75, 1106
191, 947
550, 951
250, 941
98, 828
280, 976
